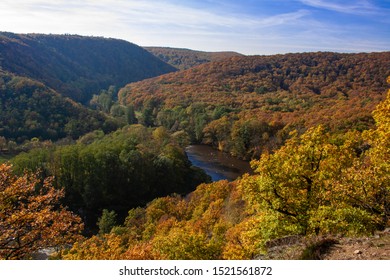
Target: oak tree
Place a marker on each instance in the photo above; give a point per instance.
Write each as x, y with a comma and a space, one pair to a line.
31, 217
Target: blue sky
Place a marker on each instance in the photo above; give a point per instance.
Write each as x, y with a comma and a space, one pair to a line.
246, 26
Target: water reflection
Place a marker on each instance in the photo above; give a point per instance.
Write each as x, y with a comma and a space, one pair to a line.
217, 164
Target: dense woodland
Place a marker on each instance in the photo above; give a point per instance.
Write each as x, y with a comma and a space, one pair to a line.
117, 171
314, 185
29, 109
244, 105
184, 58
77, 66
111, 176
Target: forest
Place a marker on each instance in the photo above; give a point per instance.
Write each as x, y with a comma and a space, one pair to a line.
184, 58
97, 169
117, 171
314, 185
77, 66
29, 109
244, 105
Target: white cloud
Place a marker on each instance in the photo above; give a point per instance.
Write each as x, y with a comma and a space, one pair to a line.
173, 23
360, 7
140, 21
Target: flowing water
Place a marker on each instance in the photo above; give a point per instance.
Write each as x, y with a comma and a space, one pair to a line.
218, 165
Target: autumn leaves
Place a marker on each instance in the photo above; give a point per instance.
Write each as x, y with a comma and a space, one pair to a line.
31, 217
317, 183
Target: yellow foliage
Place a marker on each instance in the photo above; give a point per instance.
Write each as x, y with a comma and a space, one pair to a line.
307, 173
311, 185
107, 247
242, 240
30, 215
141, 251
182, 243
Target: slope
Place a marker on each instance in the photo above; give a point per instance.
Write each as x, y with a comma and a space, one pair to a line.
292, 91
29, 109
185, 58
77, 66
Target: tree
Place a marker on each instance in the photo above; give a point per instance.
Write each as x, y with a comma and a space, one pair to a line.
248, 137
217, 133
107, 221
379, 139
104, 100
297, 180
31, 217
130, 114
3, 144
367, 183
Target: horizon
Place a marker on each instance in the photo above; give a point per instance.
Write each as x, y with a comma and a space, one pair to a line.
249, 28
189, 49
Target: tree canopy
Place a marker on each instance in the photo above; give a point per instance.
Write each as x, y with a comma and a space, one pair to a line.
316, 184
286, 92
77, 66
117, 171
31, 215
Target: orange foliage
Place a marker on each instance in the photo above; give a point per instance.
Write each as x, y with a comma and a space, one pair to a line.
294, 91
31, 217
315, 184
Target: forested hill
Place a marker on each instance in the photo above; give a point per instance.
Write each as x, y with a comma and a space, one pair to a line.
185, 58
249, 81
77, 66
227, 100
29, 109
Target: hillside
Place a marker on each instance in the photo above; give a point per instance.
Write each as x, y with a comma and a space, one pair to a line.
77, 66
185, 58
314, 198
265, 94
29, 109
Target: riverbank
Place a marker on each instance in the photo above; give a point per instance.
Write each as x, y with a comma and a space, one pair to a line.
218, 165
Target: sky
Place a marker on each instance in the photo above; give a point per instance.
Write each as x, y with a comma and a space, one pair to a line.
246, 26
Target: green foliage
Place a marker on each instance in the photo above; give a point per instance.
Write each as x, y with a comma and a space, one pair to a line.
315, 184
295, 180
77, 66
29, 109
286, 92
185, 59
107, 221
343, 220
119, 171
130, 115
104, 100
307, 187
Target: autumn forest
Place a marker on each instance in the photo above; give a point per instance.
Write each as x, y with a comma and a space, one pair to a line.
93, 165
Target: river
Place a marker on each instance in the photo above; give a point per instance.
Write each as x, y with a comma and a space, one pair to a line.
218, 165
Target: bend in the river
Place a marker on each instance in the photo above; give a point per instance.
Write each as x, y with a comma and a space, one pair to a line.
218, 165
